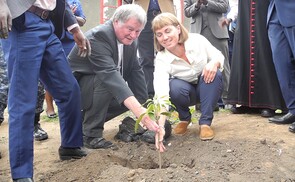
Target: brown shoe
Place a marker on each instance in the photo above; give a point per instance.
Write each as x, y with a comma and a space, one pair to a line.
181, 128
206, 133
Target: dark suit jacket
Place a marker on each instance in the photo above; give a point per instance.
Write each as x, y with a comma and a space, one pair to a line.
215, 10
285, 11
62, 16
103, 62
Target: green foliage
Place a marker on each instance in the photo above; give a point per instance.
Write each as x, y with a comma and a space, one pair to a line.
193, 111
154, 111
153, 107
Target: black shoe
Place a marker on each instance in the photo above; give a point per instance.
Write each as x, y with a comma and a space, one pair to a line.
267, 113
285, 119
1, 120
98, 143
23, 180
292, 128
216, 108
244, 110
71, 153
239, 110
39, 133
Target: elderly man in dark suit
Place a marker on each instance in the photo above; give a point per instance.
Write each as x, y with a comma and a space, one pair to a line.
281, 33
205, 16
36, 52
111, 78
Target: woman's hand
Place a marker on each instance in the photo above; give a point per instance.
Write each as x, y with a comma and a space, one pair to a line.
159, 137
209, 71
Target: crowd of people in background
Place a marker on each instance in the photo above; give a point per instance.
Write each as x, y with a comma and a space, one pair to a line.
236, 54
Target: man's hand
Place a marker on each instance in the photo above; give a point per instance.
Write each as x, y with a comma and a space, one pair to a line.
82, 42
205, 2
224, 21
5, 20
198, 4
73, 8
150, 124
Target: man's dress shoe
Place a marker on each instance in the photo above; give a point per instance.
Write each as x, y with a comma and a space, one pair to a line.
267, 113
23, 180
292, 128
285, 119
71, 153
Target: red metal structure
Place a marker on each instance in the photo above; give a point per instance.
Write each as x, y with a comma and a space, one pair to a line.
103, 6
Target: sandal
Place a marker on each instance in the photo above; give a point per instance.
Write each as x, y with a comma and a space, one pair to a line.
98, 143
54, 115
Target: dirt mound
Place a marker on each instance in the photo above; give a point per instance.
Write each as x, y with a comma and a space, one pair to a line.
246, 148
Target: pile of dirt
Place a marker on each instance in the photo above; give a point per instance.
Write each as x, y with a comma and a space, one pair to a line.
246, 148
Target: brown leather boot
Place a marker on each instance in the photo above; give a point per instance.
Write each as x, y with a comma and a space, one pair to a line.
206, 132
181, 128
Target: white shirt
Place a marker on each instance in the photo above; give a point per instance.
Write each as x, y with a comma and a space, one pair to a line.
50, 5
233, 10
120, 57
45, 4
199, 52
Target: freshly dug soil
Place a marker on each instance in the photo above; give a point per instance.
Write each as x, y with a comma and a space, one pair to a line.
245, 148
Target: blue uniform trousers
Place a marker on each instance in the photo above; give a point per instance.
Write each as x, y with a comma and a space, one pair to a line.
37, 51
184, 94
282, 41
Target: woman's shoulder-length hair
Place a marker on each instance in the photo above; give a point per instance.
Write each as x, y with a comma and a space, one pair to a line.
166, 19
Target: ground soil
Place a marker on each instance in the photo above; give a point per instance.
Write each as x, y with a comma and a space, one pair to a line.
246, 148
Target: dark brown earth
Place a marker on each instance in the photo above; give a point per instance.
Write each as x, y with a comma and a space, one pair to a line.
246, 148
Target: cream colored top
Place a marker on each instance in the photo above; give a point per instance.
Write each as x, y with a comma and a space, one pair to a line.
46, 4
199, 52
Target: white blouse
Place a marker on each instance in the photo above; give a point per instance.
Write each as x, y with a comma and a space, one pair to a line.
199, 52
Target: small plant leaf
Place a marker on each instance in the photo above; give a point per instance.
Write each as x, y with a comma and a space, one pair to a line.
138, 121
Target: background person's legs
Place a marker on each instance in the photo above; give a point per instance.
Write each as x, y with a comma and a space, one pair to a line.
49, 106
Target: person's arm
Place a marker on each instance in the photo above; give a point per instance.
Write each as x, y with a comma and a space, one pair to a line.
231, 15
190, 8
215, 61
78, 12
159, 137
72, 26
162, 88
5, 20
81, 41
81, 21
137, 109
216, 6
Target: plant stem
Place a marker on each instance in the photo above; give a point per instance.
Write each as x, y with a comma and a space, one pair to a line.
160, 157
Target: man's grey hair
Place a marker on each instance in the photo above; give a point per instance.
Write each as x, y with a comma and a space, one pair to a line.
125, 12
